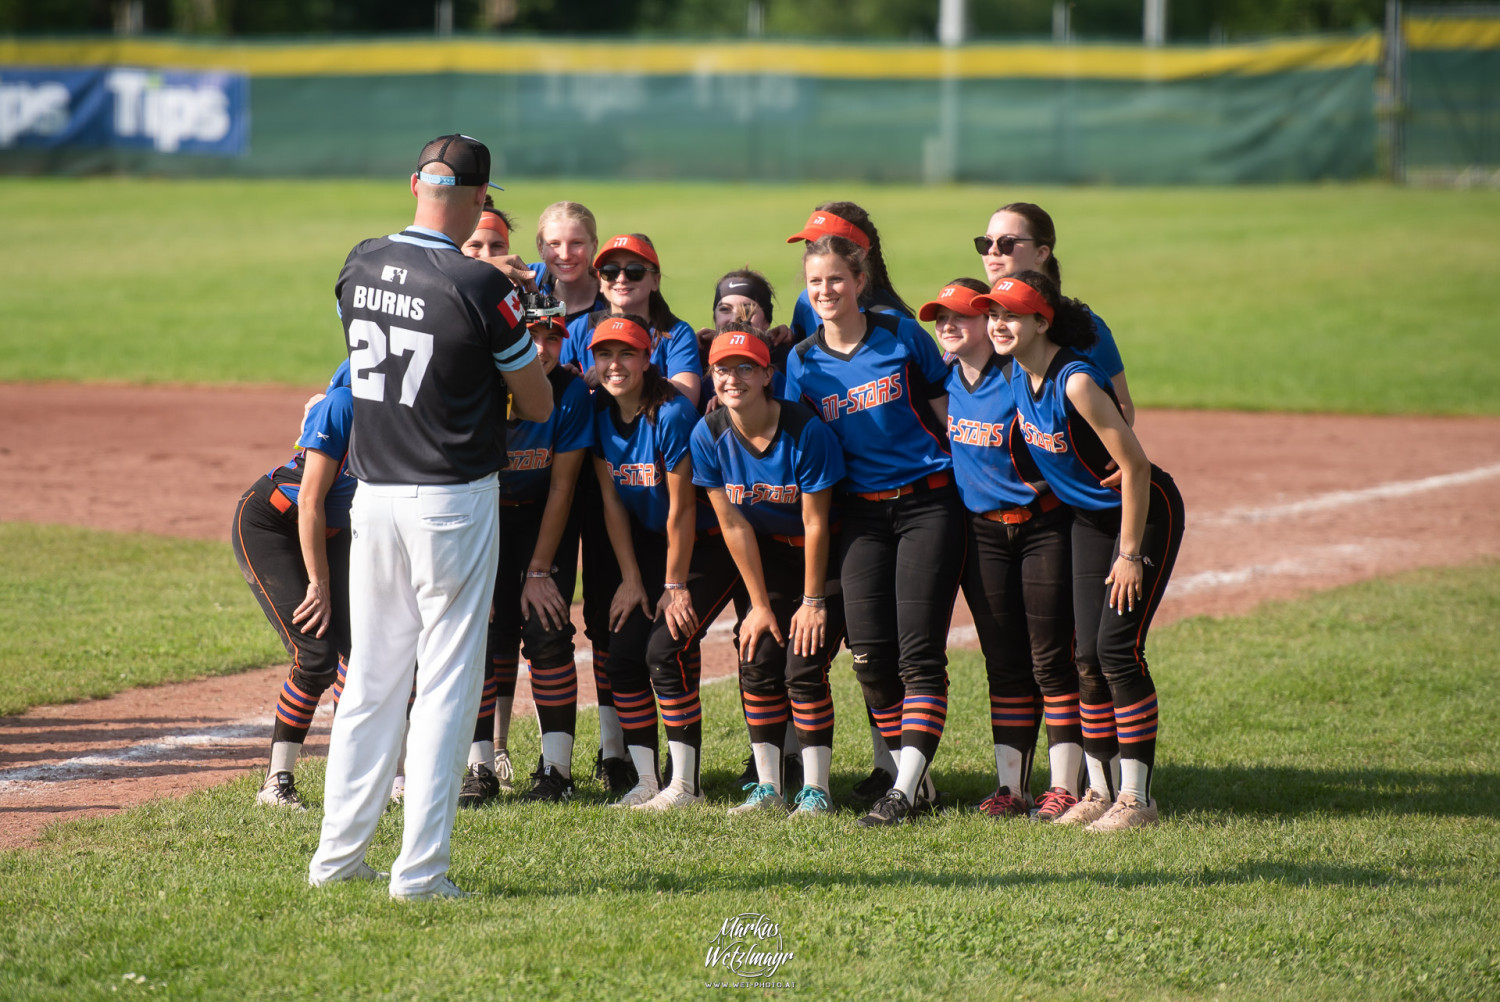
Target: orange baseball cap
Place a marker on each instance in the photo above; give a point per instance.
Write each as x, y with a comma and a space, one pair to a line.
738, 344
545, 322
622, 330
626, 242
822, 223
1015, 296
957, 298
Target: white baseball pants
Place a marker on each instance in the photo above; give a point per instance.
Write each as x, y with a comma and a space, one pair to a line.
421, 577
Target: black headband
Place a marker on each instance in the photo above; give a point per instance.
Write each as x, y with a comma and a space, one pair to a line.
743, 285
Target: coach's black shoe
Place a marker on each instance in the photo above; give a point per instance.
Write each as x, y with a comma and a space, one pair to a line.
479, 788
551, 787
619, 776
873, 786
891, 809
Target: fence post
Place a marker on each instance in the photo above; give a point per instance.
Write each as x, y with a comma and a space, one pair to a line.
1393, 101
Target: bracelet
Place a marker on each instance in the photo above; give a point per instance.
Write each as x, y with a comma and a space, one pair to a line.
1137, 558
538, 575
814, 601
674, 586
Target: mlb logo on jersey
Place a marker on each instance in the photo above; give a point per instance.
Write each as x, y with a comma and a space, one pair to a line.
390, 273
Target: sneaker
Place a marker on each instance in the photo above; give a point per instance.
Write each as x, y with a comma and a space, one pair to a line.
809, 802
619, 776
505, 773
361, 871
874, 786
1090, 808
480, 787
791, 772
891, 809
444, 888
763, 796
551, 787
1053, 804
749, 775
671, 798
1127, 812
398, 789
1002, 804
638, 794
280, 791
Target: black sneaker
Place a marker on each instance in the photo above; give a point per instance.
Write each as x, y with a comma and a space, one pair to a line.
481, 785
540, 770
619, 776
551, 787
750, 775
791, 772
873, 786
891, 809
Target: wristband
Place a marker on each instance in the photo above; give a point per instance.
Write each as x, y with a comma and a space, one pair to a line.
538, 575
674, 586
1137, 558
814, 601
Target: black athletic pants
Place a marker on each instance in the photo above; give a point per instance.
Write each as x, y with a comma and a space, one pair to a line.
601, 575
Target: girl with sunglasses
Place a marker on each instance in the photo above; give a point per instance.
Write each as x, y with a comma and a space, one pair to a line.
877, 381
770, 467
1018, 574
848, 220
675, 575
1125, 540
1021, 237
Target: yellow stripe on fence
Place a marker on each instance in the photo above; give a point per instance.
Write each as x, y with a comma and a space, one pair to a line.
1452, 33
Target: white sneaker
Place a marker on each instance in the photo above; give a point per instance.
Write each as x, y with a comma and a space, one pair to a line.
444, 888
671, 798
1090, 808
280, 791
639, 794
398, 789
361, 871
504, 771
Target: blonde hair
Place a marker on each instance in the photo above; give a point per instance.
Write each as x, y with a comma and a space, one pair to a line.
572, 211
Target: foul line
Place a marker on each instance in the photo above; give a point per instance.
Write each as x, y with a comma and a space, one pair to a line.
1342, 499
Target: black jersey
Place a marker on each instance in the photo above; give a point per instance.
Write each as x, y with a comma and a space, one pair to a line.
429, 333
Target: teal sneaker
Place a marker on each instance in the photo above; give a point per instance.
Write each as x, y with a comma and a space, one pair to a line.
810, 801
763, 796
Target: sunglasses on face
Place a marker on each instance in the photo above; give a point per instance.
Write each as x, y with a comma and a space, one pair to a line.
742, 371
634, 271
1005, 245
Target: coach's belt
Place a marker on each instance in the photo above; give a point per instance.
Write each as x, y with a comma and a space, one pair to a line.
930, 482
1017, 516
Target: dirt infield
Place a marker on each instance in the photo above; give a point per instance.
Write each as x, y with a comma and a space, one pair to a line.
1277, 505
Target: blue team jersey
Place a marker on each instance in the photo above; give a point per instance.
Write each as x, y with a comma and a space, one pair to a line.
803, 457
642, 453
875, 400
805, 319
986, 453
1065, 447
531, 445
674, 352
1105, 353
546, 283
326, 429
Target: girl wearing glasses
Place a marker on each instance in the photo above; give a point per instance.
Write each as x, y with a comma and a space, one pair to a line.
1018, 577
847, 220
877, 381
1125, 540
675, 575
770, 467
1021, 237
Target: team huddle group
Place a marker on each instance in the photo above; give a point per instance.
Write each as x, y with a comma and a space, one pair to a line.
838, 479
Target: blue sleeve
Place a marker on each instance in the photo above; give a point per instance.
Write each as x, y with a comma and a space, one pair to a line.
674, 431
682, 351
575, 419
805, 320
575, 345
328, 421
706, 470
820, 458
339, 378
929, 360
1105, 353
791, 388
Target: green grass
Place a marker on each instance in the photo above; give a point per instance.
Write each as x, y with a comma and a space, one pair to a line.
1331, 790
92, 613
1356, 298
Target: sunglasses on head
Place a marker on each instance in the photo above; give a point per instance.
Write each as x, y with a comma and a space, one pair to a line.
1005, 245
634, 271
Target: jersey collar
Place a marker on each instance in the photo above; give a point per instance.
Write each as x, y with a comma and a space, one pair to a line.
430, 234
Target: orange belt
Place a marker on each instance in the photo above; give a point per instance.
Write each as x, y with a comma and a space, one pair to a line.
1017, 516
929, 483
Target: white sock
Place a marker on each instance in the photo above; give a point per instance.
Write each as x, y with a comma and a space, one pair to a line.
557, 751
767, 763
1134, 777
611, 735
817, 760
1008, 765
791, 744
911, 773
283, 757
502, 721
881, 752
1065, 759
482, 753
644, 760
1098, 775
685, 765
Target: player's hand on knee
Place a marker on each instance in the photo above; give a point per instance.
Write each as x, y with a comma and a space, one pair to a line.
539, 596
677, 608
809, 627
1126, 580
759, 620
316, 610
631, 595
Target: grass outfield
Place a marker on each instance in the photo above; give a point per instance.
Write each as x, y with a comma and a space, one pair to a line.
1331, 790
1356, 299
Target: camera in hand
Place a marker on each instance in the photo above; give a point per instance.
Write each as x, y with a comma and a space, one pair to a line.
538, 306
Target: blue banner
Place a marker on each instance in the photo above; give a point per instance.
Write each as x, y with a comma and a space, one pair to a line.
163, 111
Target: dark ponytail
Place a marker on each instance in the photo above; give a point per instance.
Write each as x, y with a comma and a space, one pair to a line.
880, 277
1072, 323
1042, 231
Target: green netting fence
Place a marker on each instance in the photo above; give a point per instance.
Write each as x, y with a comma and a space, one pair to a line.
1451, 108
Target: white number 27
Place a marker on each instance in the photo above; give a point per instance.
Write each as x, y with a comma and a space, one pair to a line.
370, 348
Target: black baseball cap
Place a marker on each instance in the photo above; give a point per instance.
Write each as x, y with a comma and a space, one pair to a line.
465, 156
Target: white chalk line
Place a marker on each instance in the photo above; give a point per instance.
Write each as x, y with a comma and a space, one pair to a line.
1315, 562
